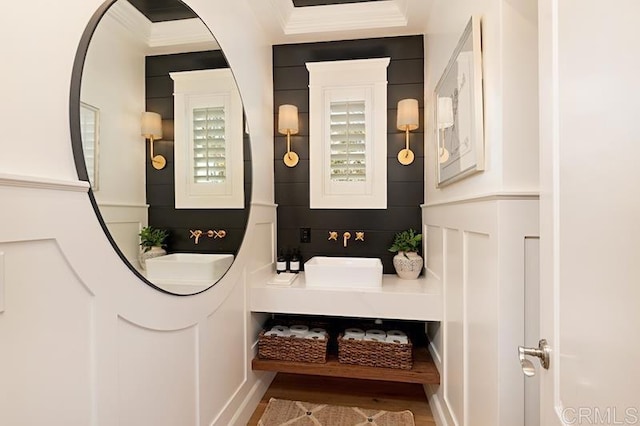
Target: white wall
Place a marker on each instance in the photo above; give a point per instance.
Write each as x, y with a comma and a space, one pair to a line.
113, 82
84, 342
475, 228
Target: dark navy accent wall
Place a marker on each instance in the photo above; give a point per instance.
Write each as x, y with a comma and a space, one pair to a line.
405, 184
160, 183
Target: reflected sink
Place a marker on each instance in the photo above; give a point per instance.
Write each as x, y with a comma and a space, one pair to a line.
345, 272
188, 267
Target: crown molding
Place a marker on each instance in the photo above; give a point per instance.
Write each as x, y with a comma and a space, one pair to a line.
351, 16
184, 35
184, 32
131, 19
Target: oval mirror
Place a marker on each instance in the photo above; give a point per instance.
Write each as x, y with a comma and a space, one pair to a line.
157, 128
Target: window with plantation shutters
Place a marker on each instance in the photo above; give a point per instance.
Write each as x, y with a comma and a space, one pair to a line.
348, 141
209, 171
348, 134
209, 145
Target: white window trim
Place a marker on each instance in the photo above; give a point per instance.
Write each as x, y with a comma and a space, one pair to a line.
366, 79
195, 89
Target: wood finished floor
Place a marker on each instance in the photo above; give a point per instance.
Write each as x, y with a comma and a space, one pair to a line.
374, 394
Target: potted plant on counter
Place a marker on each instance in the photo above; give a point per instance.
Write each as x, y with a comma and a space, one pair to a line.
407, 262
151, 244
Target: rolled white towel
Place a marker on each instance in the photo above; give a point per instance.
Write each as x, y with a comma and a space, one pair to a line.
315, 336
397, 339
377, 333
282, 328
299, 329
396, 333
319, 330
354, 332
374, 339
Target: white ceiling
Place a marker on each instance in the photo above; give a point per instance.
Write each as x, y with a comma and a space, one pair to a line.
286, 24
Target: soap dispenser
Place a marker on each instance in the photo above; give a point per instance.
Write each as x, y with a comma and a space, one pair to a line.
294, 264
281, 263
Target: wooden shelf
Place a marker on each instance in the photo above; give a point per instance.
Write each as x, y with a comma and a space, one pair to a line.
424, 370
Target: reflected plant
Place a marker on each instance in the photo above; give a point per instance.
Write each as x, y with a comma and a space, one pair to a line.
152, 237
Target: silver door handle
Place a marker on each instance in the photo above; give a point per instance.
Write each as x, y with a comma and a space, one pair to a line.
543, 352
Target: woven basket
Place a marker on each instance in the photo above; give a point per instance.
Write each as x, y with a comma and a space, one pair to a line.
292, 348
375, 354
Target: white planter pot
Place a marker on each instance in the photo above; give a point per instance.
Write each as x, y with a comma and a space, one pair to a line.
408, 264
149, 254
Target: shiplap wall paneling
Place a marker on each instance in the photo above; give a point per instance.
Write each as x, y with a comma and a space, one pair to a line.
160, 187
405, 184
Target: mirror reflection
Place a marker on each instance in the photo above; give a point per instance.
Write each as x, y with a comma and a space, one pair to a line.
173, 179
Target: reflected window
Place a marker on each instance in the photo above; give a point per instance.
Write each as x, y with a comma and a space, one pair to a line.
209, 169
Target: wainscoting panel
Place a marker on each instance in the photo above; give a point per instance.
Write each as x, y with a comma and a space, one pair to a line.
45, 369
433, 243
480, 244
172, 391
481, 335
223, 356
454, 362
124, 223
80, 330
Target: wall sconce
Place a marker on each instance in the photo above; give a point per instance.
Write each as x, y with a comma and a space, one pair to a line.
151, 129
408, 119
288, 125
445, 121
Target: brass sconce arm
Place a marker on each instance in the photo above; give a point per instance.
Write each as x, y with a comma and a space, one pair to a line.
288, 125
408, 119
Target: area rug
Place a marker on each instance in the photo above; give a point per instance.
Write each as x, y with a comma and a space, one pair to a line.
281, 412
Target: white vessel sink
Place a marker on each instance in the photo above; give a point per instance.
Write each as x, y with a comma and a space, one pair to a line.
188, 267
344, 272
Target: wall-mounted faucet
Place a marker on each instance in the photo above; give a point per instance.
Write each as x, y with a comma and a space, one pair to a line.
196, 234
333, 235
212, 233
346, 237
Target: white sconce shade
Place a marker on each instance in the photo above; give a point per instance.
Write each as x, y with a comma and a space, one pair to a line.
408, 119
445, 112
151, 128
288, 125
445, 121
288, 119
151, 125
408, 114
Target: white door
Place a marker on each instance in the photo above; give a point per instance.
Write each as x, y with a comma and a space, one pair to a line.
590, 211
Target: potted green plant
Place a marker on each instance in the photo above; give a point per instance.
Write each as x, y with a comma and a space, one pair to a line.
407, 262
152, 243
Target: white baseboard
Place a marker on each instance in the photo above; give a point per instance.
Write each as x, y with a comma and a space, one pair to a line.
438, 409
251, 401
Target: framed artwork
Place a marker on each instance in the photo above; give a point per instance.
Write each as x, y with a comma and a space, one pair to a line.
90, 133
459, 110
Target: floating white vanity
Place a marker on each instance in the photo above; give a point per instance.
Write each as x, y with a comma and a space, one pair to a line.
397, 299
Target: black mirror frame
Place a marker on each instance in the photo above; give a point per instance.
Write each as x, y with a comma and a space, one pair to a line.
76, 141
